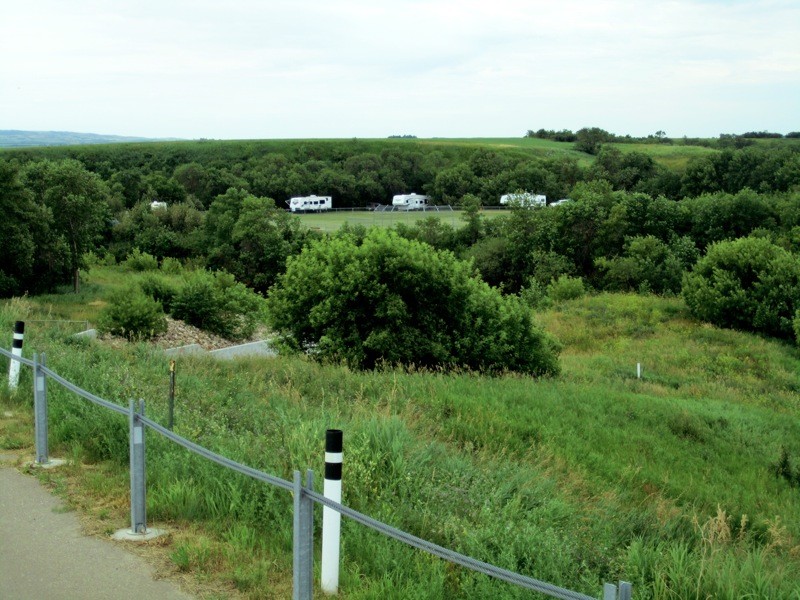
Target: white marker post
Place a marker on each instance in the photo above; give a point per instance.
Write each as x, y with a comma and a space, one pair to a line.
16, 350
331, 519
638, 370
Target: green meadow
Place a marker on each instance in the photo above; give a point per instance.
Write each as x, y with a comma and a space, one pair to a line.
668, 481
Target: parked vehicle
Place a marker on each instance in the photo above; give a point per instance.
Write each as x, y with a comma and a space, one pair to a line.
410, 201
524, 199
310, 203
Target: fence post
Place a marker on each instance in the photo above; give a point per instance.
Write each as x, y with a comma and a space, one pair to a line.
609, 591
303, 573
16, 350
331, 519
40, 408
625, 590
171, 418
137, 458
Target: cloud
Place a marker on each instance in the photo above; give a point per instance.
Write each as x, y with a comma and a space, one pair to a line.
434, 67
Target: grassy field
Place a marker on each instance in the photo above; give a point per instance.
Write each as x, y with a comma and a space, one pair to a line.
666, 481
332, 221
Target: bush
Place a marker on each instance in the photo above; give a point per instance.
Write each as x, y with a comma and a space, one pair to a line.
216, 302
748, 284
395, 301
133, 315
647, 264
140, 261
171, 265
796, 325
159, 289
566, 288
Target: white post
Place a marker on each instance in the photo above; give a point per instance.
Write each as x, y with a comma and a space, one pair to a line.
331, 519
638, 370
16, 350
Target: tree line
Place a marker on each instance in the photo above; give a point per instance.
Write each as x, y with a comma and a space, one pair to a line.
630, 224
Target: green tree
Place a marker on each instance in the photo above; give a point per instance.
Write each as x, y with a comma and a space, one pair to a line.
22, 219
395, 301
263, 238
590, 139
78, 200
648, 264
749, 284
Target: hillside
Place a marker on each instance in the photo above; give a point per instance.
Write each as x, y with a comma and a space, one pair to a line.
12, 138
667, 481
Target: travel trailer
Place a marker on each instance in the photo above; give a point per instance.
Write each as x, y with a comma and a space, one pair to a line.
524, 199
310, 203
410, 201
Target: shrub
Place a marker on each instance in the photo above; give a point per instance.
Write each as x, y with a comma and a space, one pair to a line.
159, 289
133, 315
216, 302
796, 325
748, 284
647, 264
140, 261
566, 288
395, 301
171, 265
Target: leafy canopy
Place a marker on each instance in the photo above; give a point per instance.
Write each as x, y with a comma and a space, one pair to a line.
390, 300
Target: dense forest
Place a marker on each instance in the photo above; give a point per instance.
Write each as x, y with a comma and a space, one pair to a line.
631, 222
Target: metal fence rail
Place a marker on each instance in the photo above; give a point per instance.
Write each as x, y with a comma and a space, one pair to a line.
304, 497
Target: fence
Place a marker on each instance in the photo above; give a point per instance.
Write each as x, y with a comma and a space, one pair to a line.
304, 495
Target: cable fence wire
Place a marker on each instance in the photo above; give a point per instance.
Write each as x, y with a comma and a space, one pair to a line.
24, 361
217, 458
387, 530
450, 555
83, 393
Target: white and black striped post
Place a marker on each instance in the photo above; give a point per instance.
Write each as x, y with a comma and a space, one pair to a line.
331, 519
16, 350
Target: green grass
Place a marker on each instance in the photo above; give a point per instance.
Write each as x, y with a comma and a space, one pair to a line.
332, 221
673, 156
594, 476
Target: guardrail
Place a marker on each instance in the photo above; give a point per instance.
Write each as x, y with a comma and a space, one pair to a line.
304, 495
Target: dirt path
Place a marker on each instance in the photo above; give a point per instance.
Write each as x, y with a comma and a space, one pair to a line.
43, 554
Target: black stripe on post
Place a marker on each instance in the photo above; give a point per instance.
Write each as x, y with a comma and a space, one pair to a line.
333, 445
19, 329
333, 471
333, 440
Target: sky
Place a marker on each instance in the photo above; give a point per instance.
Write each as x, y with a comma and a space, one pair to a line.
255, 69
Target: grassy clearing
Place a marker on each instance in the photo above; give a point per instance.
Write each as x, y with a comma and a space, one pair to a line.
595, 476
332, 221
672, 156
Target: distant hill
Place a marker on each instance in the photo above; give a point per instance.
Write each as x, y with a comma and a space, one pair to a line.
12, 138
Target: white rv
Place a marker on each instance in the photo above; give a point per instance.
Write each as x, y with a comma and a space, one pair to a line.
310, 203
524, 199
410, 201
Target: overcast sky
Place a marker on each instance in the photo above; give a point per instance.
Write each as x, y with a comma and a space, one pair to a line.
433, 68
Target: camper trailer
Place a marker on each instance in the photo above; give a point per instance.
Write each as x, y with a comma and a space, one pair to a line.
523, 199
410, 201
310, 203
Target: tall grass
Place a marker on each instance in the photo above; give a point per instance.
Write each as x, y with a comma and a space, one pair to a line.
665, 481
